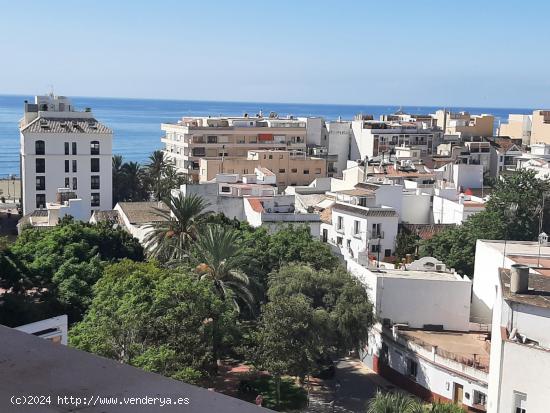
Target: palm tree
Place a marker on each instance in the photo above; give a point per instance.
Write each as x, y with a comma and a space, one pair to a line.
445, 408
134, 181
394, 403
156, 168
221, 258
171, 236
118, 179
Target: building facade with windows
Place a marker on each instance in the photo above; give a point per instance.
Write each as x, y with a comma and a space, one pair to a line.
193, 138
62, 148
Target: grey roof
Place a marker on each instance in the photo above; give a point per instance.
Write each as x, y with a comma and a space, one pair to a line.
33, 366
538, 294
110, 215
66, 125
378, 212
39, 213
143, 212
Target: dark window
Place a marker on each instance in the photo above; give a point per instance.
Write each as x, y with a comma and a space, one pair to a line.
67, 184
387, 253
75, 183
40, 200
94, 148
282, 171
412, 367
294, 170
95, 182
66, 165
40, 183
94, 164
226, 189
39, 147
95, 199
306, 171
40, 165
74, 165
374, 248
67, 149
74, 148
212, 139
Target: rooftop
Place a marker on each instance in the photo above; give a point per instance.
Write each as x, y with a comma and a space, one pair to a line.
35, 366
467, 348
66, 125
525, 252
368, 212
418, 275
538, 294
143, 212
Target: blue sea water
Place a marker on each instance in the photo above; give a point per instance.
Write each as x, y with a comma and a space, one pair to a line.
136, 122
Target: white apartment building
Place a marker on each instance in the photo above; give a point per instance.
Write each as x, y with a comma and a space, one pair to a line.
455, 209
339, 141
374, 138
193, 138
424, 341
511, 288
64, 148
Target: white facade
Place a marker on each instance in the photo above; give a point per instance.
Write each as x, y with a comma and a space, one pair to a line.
64, 148
54, 329
455, 210
339, 138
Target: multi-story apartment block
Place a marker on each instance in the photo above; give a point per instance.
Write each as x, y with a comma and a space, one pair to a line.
375, 138
290, 167
540, 127
64, 148
193, 138
518, 127
464, 124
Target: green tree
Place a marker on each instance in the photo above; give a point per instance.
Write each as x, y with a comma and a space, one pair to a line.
406, 243
394, 403
154, 318
55, 269
220, 259
155, 171
135, 182
170, 238
285, 339
119, 189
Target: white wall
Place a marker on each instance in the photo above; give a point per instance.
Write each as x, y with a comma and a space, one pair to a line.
417, 208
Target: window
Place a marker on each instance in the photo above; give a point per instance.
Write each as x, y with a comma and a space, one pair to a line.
226, 189
520, 402
374, 248
67, 184
376, 230
39, 147
211, 139
40, 165
66, 165
348, 244
40, 183
306, 171
67, 149
95, 199
294, 170
94, 182
339, 241
282, 171
74, 148
270, 156
317, 171
387, 253
412, 367
281, 156
356, 227
74, 165
94, 148
363, 201
75, 183
480, 398
94, 164
41, 200
340, 223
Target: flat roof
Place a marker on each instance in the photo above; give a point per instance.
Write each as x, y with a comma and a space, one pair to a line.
465, 346
538, 294
33, 366
144, 212
418, 275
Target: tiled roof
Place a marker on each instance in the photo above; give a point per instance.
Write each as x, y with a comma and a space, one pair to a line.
370, 212
427, 231
256, 204
66, 125
143, 212
326, 216
106, 216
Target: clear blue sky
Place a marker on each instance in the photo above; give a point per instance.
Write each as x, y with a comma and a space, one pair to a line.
469, 53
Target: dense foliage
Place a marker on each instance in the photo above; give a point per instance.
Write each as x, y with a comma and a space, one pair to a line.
513, 212
53, 271
402, 403
153, 318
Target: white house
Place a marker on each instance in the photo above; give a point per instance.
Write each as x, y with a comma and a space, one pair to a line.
54, 329
64, 148
456, 209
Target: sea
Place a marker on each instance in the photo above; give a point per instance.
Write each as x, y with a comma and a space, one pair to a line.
136, 122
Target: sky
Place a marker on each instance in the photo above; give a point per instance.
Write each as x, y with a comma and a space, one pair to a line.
484, 53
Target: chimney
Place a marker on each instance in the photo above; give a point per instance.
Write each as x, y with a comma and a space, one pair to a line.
519, 279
